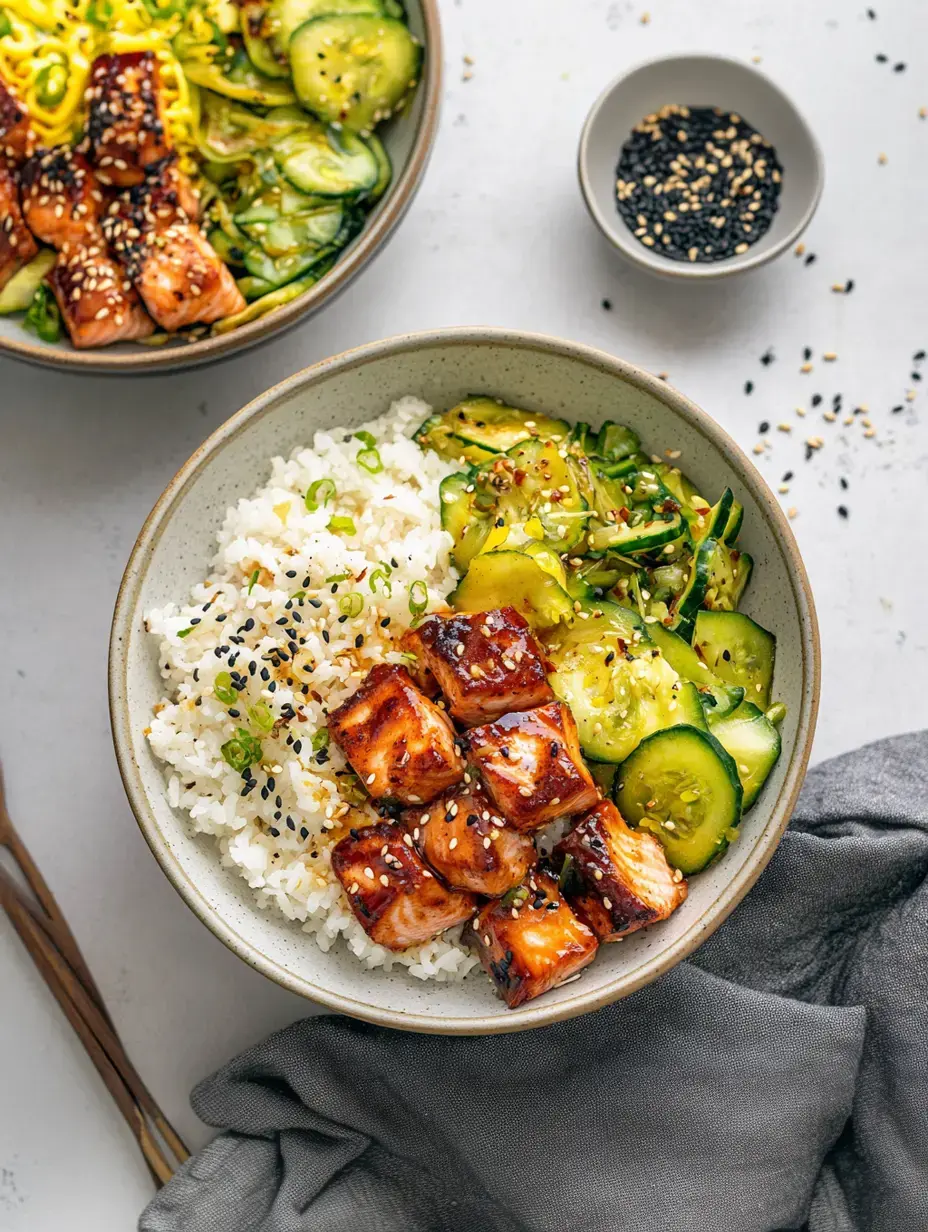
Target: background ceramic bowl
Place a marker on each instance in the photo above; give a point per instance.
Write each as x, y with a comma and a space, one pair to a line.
707, 81
543, 374
408, 138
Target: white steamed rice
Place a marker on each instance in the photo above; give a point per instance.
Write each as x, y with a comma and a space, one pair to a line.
278, 836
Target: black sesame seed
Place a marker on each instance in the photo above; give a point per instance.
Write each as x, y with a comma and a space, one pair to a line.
748, 387
314, 602
767, 358
899, 68
607, 305
807, 353
881, 58
275, 833
305, 582
763, 427
896, 410
221, 617
849, 286
291, 573
810, 259
385, 622
281, 621
816, 399
297, 746
787, 477
726, 655
844, 483
916, 376
342, 619
918, 356
195, 620
325, 636
359, 641
235, 714
265, 674
304, 833
843, 511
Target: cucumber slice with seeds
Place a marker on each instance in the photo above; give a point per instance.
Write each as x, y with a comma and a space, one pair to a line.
687, 664
754, 745
354, 69
738, 650
690, 598
616, 442
286, 16
501, 579
327, 163
682, 786
497, 427
729, 573
435, 434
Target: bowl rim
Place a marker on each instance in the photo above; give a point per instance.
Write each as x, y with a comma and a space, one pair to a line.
537, 1013
372, 239
653, 263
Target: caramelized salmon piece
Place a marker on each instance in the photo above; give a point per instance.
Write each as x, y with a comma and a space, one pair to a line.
175, 269
398, 901
16, 136
464, 839
531, 940
618, 879
16, 243
486, 663
125, 126
98, 304
400, 744
531, 766
61, 200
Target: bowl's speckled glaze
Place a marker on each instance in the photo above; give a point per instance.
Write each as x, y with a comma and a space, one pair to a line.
408, 139
539, 373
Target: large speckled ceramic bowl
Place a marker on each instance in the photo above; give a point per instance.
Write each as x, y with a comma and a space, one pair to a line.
543, 374
408, 139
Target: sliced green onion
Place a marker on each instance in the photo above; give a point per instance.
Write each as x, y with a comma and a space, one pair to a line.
367, 438
369, 459
298, 595
381, 575
242, 751
351, 605
254, 578
338, 523
320, 740
568, 879
184, 632
222, 687
336, 577
418, 597
261, 716
319, 493
43, 315
51, 85
776, 713
515, 897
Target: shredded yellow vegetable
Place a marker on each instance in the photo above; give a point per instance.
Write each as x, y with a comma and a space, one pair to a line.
72, 33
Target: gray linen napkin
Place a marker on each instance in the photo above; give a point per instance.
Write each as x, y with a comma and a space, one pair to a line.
778, 1080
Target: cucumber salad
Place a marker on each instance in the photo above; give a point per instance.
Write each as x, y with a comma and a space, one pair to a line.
631, 581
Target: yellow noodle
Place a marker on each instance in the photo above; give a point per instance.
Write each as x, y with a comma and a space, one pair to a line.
60, 32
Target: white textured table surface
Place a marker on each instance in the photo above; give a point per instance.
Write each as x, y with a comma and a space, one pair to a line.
498, 235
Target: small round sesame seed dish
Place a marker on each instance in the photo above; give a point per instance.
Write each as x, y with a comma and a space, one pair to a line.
181, 179
462, 715
697, 166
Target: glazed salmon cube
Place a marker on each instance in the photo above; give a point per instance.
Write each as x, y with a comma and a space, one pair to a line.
531, 940
618, 879
125, 125
98, 305
175, 269
400, 744
16, 137
16, 243
61, 199
398, 901
485, 663
531, 766
464, 839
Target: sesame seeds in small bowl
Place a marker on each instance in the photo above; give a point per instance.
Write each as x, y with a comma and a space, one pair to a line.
698, 166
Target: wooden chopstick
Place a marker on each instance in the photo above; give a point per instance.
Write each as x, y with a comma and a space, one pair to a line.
64, 938
54, 949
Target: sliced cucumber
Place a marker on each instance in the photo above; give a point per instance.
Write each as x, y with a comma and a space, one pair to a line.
494, 426
240, 80
735, 519
641, 536
754, 745
616, 684
616, 442
690, 599
682, 786
603, 774
256, 26
384, 167
635, 511
327, 163
467, 526
738, 650
354, 69
276, 271
286, 16
715, 523
540, 485
435, 434
501, 579
687, 664
694, 507
689, 707
20, 291
729, 573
